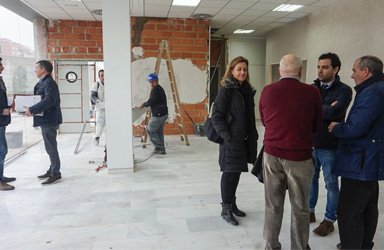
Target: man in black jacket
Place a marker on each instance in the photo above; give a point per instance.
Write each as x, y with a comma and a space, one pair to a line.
336, 97
5, 119
158, 103
47, 116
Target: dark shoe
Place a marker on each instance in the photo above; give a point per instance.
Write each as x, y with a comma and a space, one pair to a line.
227, 214
159, 151
52, 180
5, 186
236, 210
43, 176
325, 228
8, 179
338, 246
312, 217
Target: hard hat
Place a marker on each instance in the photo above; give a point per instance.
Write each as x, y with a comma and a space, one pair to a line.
152, 77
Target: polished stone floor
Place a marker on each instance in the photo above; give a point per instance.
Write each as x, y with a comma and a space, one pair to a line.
170, 202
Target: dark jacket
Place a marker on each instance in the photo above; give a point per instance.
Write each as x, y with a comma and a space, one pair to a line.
361, 149
4, 119
341, 93
157, 101
50, 103
234, 120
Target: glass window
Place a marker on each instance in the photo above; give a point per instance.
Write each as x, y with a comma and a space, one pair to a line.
17, 52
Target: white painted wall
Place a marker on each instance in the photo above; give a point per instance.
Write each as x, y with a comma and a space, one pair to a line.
254, 51
351, 29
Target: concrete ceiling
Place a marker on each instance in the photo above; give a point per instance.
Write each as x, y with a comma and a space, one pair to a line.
227, 15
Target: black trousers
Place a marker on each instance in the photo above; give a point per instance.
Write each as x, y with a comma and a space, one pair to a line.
229, 183
357, 213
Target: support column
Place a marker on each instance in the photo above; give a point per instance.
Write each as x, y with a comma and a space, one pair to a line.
118, 90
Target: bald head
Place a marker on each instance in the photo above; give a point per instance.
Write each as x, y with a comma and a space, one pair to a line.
290, 66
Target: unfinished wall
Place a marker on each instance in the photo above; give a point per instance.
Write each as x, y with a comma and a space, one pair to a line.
352, 28
188, 40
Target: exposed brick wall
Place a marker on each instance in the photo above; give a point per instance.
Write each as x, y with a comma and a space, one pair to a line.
68, 39
188, 39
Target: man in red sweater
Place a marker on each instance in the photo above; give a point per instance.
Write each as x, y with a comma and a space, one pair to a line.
291, 113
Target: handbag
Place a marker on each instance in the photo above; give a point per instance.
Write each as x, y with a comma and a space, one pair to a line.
257, 169
210, 131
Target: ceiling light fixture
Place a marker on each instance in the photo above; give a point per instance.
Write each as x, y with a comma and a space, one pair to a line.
98, 12
189, 3
241, 31
202, 16
288, 7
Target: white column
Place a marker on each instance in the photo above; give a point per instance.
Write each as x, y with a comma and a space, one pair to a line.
118, 90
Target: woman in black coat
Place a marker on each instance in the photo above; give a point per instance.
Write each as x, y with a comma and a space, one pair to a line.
233, 118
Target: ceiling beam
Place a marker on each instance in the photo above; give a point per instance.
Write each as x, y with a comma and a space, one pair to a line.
20, 8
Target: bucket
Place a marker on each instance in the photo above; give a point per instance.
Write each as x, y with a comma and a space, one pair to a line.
14, 139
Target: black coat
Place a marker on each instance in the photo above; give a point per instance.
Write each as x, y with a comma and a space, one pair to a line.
50, 103
234, 120
341, 93
4, 119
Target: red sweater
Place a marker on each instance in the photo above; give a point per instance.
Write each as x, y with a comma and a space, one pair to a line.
291, 113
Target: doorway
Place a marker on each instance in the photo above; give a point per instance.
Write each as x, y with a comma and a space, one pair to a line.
75, 79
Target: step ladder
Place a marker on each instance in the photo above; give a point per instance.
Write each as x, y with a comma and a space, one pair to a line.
164, 47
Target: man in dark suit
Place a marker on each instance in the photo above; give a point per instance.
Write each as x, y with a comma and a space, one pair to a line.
47, 115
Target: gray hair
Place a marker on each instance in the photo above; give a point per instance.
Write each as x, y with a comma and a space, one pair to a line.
373, 63
290, 66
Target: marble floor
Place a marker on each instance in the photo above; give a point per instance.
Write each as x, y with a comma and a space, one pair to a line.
170, 202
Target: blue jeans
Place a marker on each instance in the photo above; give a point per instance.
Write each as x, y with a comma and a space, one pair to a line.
3, 150
325, 159
155, 131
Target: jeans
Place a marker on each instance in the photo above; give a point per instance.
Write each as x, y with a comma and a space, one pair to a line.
358, 213
3, 150
155, 131
325, 159
49, 135
278, 174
